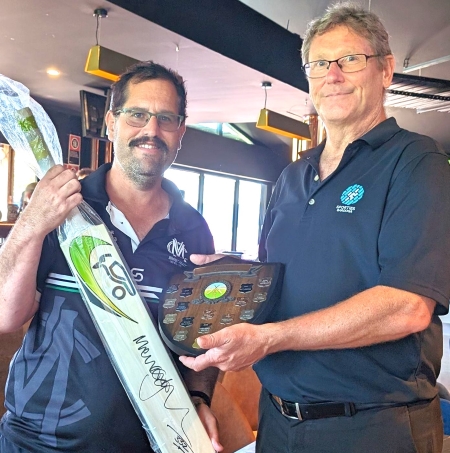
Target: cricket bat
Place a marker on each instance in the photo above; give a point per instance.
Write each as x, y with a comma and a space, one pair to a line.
135, 347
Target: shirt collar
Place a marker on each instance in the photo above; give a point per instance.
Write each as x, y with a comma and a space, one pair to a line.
381, 133
94, 186
376, 137
94, 191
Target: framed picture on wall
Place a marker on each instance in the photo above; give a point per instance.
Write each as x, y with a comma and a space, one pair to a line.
104, 131
92, 114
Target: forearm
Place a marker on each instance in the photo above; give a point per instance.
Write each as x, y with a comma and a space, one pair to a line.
202, 381
373, 316
19, 259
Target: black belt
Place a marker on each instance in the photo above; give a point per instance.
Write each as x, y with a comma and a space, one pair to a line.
314, 411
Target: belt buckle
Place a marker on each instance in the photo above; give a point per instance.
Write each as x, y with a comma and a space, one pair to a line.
299, 414
297, 410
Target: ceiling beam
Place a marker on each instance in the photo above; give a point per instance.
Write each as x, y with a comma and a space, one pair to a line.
232, 29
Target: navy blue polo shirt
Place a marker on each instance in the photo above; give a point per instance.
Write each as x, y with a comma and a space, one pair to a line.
382, 218
62, 392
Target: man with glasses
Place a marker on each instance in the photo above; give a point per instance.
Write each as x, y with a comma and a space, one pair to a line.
62, 393
349, 356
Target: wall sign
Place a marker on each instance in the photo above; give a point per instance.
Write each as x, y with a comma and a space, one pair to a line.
73, 157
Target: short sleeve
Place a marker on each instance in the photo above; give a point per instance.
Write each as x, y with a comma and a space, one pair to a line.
414, 240
48, 253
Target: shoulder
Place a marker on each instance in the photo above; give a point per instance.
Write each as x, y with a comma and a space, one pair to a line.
291, 177
186, 220
52, 257
181, 212
418, 150
413, 144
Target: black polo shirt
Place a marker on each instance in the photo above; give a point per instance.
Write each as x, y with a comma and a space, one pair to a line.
382, 218
62, 392
166, 247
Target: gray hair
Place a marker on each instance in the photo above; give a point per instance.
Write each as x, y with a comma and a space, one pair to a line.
362, 22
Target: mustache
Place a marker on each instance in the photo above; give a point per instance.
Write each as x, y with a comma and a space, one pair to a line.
155, 141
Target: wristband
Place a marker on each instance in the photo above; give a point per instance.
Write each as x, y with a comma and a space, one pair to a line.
202, 395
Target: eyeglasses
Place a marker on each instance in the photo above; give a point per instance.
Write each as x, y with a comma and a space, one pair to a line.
168, 122
348, 63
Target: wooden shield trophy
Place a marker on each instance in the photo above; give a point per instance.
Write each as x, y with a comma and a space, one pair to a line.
214, 296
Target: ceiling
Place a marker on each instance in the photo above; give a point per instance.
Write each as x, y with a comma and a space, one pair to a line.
223, 49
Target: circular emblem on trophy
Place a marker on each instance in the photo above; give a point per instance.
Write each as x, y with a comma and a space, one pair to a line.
216, 291
212, 297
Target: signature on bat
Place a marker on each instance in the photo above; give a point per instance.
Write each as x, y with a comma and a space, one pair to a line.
157, 376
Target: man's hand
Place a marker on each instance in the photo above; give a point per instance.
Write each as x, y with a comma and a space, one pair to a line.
210, 423
232, 349
56, 194
200, 260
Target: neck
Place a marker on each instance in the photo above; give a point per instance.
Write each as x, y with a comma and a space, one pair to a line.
339, 135
121, 190
143, 208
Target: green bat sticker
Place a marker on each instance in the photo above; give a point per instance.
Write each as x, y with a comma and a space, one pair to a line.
28, 125
113, 273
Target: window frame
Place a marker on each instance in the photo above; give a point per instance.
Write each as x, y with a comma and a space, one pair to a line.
266, 191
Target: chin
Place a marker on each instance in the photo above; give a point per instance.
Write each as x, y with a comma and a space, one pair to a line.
335, 117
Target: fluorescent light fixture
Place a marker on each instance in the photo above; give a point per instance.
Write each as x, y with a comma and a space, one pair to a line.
426, 64
283, 125
107, 63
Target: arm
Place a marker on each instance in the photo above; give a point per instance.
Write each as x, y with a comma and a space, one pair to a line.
55, 195
379, 314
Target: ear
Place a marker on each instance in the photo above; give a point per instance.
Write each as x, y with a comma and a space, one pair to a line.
388, 70
181, 132
110, 121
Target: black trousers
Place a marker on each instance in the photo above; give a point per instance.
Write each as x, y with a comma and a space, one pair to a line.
413, 429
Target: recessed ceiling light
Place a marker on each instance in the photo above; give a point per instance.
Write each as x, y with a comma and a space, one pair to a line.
53, 72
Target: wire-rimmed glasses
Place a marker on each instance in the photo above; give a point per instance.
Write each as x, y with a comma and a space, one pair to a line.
348, 63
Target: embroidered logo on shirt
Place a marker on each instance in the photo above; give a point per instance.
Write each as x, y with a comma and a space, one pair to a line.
176, 248
350, 195
178, 251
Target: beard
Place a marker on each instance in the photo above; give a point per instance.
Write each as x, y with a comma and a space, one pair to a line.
146, 170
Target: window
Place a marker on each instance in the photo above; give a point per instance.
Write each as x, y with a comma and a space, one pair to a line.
225, 130
188, 182
15, 175
218, 204
250, 217
233, 207
4, 166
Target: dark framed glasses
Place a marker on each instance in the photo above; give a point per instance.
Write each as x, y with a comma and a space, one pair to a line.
168, 122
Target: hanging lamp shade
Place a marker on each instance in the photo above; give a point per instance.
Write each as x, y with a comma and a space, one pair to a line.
107, 63
282, 125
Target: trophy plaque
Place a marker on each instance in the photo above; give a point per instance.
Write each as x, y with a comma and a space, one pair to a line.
214, 296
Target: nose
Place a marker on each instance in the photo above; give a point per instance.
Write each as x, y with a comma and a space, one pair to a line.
334, 73
152, 127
